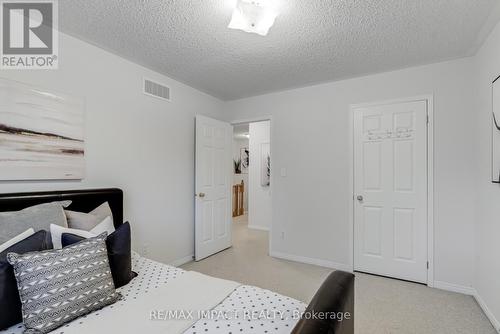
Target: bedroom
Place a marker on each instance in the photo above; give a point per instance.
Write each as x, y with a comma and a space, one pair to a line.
317, 61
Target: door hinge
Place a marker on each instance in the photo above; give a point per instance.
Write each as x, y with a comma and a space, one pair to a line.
428, 120
427, 265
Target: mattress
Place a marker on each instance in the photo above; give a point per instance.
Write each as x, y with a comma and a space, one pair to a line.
246, 310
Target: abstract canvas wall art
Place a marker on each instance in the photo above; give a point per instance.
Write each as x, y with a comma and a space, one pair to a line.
495, 133
41, 133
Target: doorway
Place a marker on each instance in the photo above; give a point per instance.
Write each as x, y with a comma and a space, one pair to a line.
252, 204
392, 189
232, 184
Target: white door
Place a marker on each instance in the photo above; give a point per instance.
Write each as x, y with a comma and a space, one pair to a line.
390, 184
213, 186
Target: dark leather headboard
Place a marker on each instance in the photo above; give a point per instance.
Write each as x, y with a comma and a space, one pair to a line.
82, 200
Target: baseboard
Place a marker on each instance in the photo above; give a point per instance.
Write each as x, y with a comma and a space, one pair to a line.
308, 260
494, 321
257, 227
180, 262
466, 290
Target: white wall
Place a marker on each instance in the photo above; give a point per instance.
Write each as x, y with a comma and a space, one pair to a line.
238, 144
310, 129
141, 144
487, 270
260, 204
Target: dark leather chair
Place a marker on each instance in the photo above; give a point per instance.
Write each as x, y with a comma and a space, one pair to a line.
331, 310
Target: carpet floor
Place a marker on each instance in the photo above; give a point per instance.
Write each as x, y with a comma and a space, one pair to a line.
382, 305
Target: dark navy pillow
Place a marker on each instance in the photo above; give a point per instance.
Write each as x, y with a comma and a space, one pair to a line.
69, 239
119, 253
10, 303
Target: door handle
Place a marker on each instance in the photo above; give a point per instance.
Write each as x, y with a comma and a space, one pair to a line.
201, 195
360, 198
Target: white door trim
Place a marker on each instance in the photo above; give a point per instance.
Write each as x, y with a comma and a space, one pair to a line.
430, 176
262, 119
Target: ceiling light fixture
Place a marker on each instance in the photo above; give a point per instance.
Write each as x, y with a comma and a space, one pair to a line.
254, 16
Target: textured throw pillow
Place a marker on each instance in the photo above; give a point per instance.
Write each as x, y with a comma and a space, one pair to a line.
57, 286
87, 221
56, 231
10, 304
119, 253
38, 217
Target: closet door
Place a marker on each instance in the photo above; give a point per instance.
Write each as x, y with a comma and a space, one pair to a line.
390, 183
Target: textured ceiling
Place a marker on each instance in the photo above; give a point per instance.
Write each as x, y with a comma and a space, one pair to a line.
312, 40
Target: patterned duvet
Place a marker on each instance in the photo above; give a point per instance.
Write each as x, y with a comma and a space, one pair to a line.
247, 310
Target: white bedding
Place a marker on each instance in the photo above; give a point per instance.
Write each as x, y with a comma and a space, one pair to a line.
247, 309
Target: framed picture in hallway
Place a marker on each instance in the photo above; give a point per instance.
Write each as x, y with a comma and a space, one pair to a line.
265, 168
495, 133
245, 159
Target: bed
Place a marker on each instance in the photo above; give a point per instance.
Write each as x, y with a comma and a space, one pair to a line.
244, 309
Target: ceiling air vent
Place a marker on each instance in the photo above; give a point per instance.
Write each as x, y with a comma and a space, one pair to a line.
155, 89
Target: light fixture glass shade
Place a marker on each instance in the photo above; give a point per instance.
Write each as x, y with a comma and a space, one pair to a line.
254, 16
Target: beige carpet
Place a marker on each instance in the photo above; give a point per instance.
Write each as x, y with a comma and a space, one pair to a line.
382, 305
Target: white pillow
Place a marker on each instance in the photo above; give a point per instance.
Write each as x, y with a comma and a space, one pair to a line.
16, 239
57, 231
105, 226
